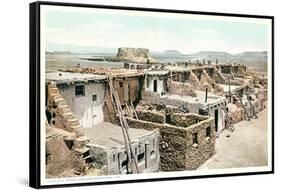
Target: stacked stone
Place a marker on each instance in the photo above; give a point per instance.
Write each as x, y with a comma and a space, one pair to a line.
62, 116
212, 86
193, 80
218, 76
65, 119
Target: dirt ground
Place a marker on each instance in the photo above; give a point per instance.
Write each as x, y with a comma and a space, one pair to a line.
245, 147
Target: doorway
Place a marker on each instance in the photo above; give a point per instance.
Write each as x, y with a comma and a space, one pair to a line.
155, 86
216, 119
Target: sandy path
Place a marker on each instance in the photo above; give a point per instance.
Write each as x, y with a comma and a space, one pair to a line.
246, 146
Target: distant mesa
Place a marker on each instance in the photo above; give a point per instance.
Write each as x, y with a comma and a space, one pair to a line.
138, 55
59, 52
172, 53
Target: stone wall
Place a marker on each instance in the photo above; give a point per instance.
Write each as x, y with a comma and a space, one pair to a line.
152, 98
206, 81
153, 116
198, 154
186, 119
194, 81
218, 77
178, 152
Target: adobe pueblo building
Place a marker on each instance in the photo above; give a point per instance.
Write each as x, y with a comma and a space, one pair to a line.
145, 117
75, 104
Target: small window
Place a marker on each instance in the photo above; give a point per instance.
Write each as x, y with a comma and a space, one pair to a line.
121, 84
208, 131
147, 83
195, 138
94, 97
80, 90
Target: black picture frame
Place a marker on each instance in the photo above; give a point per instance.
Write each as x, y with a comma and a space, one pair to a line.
34, 100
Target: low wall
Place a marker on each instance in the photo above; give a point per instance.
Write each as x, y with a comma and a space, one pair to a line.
177, 148
152, 116
186, 120
152, 98
181, 88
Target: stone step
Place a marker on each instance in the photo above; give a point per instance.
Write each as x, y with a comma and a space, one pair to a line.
69, 115
64, 110
82, 150
56, 100
52, 85
64, 106
75, 126
81, 141
53, 91
55, 96
87, 157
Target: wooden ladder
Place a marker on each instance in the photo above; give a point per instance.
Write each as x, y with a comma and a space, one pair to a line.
124, 127
134, 110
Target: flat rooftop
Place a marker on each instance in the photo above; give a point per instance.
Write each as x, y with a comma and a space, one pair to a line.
156, 72
113, 72
54, 132
177, 68
65, 77
200, 99
233, 88
183, 68
109, 135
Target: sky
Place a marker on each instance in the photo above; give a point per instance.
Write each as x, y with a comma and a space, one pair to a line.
157, 33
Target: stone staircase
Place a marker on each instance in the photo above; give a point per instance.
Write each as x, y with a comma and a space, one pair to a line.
62, 117
193, 80
62, 114
80, 147
218, 76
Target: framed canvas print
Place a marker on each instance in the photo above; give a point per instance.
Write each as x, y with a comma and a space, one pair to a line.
126, 94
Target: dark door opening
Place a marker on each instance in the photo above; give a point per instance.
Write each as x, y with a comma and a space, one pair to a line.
216, 119
168, 118
155, 85
146, 159
129, 92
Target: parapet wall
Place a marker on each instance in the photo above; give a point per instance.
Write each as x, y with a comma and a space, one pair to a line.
153, 116
186, 119
181, 88
153, 98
